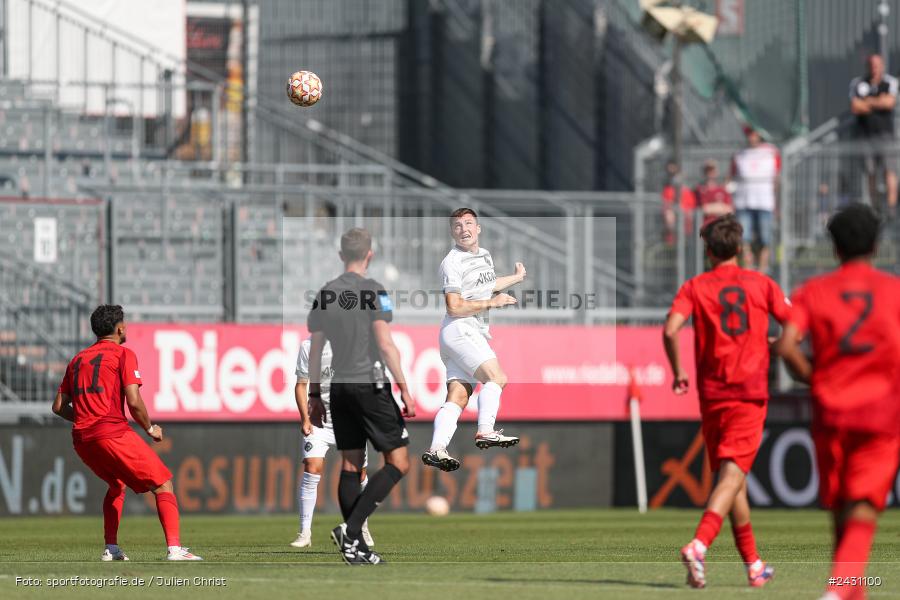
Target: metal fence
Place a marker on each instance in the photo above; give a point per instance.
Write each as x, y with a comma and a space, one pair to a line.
819, 176
206, 250
201, 249
44, 322
820, 179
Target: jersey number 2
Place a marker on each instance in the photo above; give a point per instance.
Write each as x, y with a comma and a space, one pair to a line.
846, 344
95, 377
733, 308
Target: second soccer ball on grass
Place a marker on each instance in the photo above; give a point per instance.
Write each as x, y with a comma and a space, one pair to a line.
437, 506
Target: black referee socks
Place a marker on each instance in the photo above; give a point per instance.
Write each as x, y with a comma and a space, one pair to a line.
348, 492
380, 485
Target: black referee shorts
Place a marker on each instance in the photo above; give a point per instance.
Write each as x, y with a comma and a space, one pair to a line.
360, 412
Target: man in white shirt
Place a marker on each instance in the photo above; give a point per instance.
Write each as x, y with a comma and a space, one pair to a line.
471, 288
754, 172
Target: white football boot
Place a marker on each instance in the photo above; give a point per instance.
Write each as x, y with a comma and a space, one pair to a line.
182, 554
495, 438
108, 556
441, 459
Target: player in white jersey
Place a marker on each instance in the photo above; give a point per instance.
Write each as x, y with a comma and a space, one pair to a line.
318, 438
471, 288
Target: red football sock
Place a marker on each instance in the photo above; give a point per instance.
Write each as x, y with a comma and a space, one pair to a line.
745, 542
167, 508
708, 529
112, 513
838, 536
852, 554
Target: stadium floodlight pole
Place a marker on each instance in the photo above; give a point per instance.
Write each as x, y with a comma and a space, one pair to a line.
688, 26
245, 80
677, 124
884, 11
4, 48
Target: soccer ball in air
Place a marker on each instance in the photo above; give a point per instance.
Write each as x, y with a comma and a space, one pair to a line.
304, 88
437, 506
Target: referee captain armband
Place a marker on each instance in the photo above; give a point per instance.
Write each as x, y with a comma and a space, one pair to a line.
387, 305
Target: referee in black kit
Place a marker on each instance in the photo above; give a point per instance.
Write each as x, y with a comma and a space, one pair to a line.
353, 313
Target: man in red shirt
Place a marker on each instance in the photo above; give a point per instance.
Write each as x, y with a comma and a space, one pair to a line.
730, 307
687, 203
852, 318
97, 384
712, 197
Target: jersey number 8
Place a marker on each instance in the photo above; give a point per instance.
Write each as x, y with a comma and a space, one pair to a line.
737, 307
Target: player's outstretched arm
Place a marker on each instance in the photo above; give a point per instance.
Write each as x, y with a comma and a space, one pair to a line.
139, 411
391, 357
62, 406
788, 348
670, 342
459, 307
507, 281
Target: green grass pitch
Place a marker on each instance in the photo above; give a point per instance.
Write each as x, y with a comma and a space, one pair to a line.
553, 554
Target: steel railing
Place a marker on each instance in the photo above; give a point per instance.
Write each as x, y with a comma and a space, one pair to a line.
43, 323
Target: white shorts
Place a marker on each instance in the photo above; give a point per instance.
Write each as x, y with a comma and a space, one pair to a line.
463, 349
317, 444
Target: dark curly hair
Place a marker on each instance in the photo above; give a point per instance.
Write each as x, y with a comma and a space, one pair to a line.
854, 231
723, 237
105, 318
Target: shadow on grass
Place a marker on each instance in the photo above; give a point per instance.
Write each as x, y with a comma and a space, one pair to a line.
295, 553
668, 586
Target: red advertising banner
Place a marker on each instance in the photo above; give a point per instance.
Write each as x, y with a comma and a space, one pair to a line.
222, 372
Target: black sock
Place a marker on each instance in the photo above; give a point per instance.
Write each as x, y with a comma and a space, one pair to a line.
348, 492
380, 485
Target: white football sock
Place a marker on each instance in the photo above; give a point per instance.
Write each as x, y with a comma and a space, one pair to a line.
113, 548
174, 549
308, 491
445, 425
488, 406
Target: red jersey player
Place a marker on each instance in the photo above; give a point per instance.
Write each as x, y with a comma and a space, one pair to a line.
852, 317
97, 384
730, 307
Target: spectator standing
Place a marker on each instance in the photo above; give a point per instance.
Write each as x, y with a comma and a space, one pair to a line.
712, 197
688, 202
755, 171
872, 99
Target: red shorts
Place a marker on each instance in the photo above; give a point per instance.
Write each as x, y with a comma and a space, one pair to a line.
125, 459
855, 466
732, 429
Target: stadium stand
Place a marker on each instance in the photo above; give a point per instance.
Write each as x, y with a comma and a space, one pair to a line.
221, 240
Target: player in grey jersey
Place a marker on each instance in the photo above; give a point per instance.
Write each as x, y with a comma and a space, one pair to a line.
471, 288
